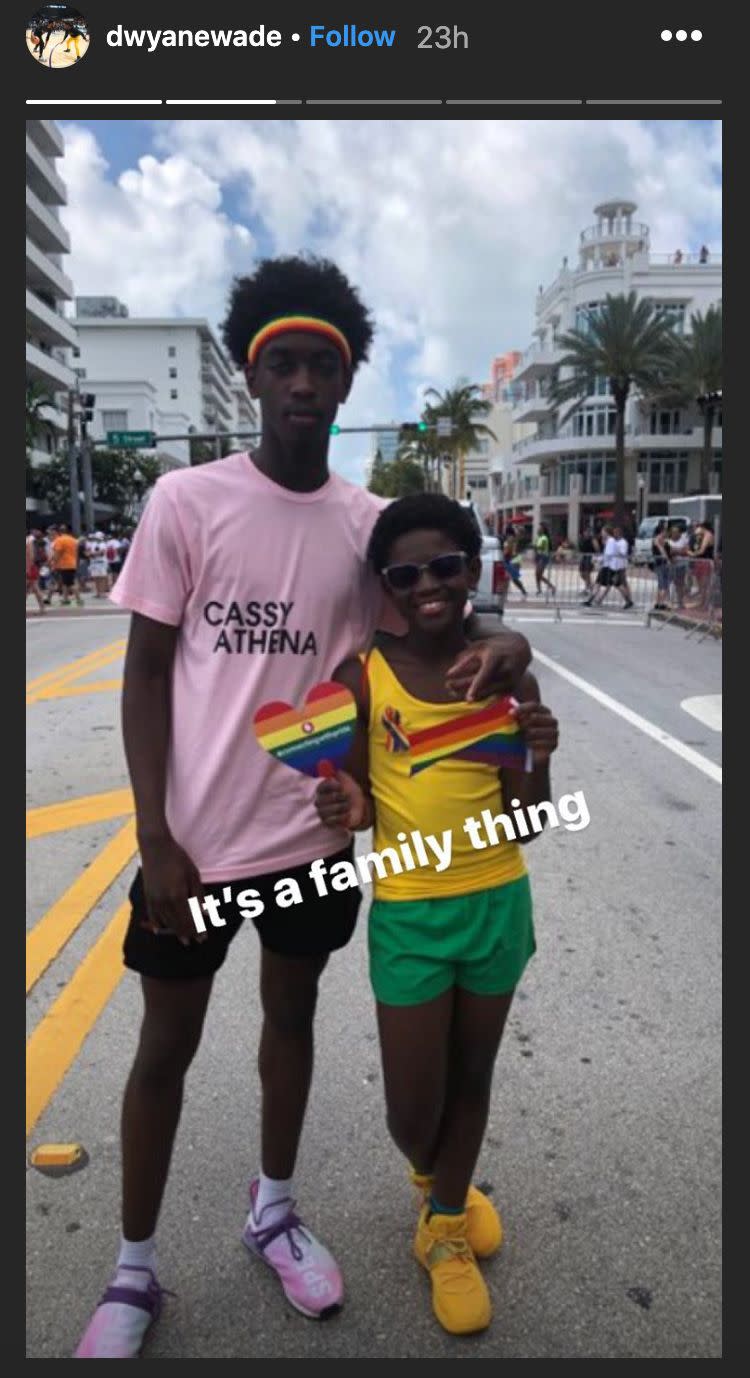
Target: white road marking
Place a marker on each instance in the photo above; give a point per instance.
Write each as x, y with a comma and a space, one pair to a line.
706, 708
578, 621
686, 753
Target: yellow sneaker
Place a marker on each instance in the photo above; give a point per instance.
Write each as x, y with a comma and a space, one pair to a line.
460, 1298
484, 1228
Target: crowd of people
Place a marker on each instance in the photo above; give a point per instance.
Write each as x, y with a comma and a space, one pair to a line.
681, 558
61, 565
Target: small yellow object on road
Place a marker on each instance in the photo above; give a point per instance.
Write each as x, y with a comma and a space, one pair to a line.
56, 1155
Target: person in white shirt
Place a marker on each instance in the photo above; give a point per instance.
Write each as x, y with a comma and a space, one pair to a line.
613, 573
96, 550
679, 548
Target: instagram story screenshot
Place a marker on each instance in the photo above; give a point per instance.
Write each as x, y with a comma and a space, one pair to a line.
373, 732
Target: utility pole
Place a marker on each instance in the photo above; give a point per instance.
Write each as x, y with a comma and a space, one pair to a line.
87, 415
75, 502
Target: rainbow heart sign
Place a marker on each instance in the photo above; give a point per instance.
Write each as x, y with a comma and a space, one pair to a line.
490, 736
321, 731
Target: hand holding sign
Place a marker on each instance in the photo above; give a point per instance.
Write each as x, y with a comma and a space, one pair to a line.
311, 738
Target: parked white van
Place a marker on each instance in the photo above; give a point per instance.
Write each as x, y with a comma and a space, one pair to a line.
641, 553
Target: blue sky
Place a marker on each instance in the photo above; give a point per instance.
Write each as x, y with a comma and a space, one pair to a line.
447, 227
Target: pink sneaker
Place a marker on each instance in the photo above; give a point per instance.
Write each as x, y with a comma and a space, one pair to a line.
307, 1272
119, 1324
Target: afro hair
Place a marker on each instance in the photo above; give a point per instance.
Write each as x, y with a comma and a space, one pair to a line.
425, 512
299, 285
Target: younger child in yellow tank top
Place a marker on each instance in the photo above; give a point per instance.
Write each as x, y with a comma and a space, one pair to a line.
448, 940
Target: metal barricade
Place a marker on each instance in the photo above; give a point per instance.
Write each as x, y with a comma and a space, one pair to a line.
571, 581
694, 597
680, 591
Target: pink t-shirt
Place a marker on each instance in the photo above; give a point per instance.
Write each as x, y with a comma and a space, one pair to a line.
271, 592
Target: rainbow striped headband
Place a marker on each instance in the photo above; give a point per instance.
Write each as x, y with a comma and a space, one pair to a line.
284, 324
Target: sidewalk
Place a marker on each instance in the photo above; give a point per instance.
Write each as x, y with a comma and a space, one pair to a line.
99, 606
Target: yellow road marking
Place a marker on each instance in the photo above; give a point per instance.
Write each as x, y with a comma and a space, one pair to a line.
97, 686
56, 688
75, 813
60, 922
57, 1040
75, 668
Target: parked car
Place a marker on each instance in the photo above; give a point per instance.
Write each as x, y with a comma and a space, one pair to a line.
642, 546
493, 585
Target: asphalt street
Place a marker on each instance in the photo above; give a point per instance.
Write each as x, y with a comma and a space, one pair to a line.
603, 1148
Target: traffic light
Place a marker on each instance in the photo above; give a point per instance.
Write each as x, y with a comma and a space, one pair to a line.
335, 430
414, 427
88, 401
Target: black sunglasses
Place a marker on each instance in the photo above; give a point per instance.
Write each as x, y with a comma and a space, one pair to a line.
403, 577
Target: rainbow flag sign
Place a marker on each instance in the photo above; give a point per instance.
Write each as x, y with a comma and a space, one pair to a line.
321, 731
490, 736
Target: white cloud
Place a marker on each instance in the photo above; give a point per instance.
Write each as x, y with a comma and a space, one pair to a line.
447, 226
157, 237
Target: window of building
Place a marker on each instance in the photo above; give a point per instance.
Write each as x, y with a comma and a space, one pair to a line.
664, 422
173, 372
114, 420
173, 394
602, 386
172, 352
682, 473
585, 314
76, 352
673, 312
595, 480
609, 476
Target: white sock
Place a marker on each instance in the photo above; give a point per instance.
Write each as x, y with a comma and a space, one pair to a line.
272, 1201
138, 1253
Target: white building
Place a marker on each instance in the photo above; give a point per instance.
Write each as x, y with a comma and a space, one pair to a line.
564, 473
483, 464
133, 406
194, 384
49, 336
245, 415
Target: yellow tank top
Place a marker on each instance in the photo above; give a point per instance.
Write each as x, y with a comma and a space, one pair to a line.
434, 802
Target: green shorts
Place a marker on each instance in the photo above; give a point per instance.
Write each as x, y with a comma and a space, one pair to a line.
480, 942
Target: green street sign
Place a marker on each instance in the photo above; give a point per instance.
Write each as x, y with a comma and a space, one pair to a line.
131, 440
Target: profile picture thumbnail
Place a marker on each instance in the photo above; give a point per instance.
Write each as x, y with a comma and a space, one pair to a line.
57, 36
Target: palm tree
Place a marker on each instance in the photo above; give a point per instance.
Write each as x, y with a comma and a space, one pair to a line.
423, 450
626, 341
464, 405
693, 374
37, 398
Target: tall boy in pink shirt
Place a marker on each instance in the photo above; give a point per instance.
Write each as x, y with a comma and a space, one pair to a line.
247, 582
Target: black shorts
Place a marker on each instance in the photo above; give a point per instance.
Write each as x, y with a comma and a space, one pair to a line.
611, 578
68, 577
317, 926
